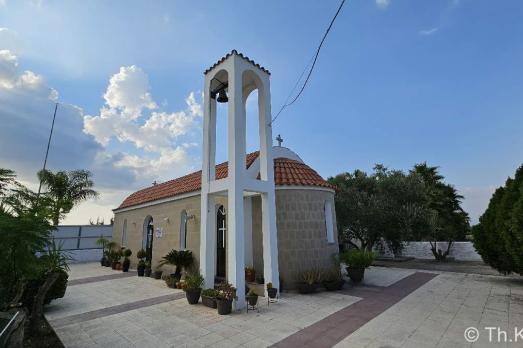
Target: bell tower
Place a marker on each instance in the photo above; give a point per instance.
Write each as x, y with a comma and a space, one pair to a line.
231, 80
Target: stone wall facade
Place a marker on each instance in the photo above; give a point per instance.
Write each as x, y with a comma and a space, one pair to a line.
302, 233
300, 218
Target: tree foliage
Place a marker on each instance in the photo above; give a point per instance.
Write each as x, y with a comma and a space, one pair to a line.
387, 205
65, 189
448, 221
392, 206
498, 237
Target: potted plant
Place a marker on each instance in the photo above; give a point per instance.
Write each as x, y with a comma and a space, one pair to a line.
250, 274
108, 261
126, 262
141, 263
147, 270
209, 297
226, 294
252, 298
309, 281
193, 287
356, 261
271, 291
333, 280
103, 242
178, 258
169, 281
158, 272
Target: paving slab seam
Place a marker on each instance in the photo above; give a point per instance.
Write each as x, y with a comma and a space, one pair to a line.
104, 312
334, 328
102, 278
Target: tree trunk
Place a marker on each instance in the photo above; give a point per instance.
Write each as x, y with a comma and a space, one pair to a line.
37, 312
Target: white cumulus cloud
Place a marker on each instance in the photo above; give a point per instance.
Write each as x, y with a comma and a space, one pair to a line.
427, 32
382, 4
131, 116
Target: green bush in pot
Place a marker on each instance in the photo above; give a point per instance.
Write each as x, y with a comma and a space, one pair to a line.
141, 263
193, 287
226, 294
126, 262
209, 297
356, 261
309, 281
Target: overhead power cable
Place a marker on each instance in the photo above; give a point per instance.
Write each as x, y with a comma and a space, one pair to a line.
286, 104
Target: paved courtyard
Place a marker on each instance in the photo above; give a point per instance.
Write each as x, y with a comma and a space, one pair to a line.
393, 308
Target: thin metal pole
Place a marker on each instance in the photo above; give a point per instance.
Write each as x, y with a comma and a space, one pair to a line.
47, 152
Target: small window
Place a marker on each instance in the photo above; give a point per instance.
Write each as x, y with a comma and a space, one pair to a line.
124, 233
328, 222
183, 230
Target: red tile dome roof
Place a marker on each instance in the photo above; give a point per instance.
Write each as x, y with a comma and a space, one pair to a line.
287, 172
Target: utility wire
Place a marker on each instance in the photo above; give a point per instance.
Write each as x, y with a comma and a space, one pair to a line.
47, 151
311, 68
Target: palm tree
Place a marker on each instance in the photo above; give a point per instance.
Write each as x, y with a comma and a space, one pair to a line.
66, 189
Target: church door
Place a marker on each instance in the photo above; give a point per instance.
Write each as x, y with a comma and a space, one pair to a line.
221, 230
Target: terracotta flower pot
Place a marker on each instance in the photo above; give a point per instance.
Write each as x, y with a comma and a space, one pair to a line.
250, 276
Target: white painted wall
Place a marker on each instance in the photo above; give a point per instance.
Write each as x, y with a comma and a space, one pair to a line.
461, 251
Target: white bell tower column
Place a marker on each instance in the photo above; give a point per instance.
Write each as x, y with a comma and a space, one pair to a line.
231, 80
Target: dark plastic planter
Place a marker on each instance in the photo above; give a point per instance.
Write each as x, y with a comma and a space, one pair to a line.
209, 301
107, 263
103, 261
224, 306
355, 274
252, 300
125, 266
193, 295
147, 272
272, 292
157, 274
306, 288
141, 270
333, 285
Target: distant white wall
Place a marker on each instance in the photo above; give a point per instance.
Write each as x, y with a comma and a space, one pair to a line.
462, 251
86, 255
80, 241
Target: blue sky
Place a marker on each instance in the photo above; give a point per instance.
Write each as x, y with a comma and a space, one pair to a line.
398, 82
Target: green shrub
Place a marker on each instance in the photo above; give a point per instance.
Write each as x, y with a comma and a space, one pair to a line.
310, 276
141, 254
210, 293
170, 281
357, 258
127, 253
193, 281
498, 237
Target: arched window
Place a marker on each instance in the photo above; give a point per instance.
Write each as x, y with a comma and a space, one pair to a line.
183, 230
328, 222
124, 233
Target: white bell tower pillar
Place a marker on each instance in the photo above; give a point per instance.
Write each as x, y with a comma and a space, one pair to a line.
231, 80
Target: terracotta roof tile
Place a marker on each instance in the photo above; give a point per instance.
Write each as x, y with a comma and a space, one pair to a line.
286, 172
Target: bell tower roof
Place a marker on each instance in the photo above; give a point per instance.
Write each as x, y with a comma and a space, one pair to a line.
234, 52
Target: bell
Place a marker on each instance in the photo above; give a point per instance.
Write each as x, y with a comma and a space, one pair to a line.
222, 97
